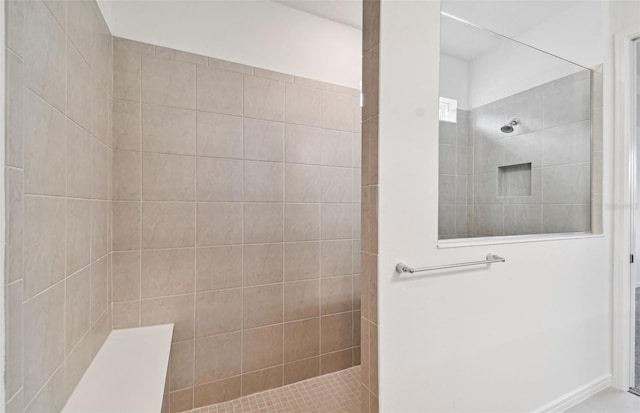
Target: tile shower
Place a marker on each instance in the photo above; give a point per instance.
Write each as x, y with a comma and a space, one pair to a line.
236, 215
58, 199
537, 179
147, 185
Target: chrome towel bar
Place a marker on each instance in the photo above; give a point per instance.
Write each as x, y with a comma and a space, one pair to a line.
489, 259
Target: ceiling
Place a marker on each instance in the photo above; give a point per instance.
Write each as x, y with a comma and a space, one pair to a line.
510, 18
347, 12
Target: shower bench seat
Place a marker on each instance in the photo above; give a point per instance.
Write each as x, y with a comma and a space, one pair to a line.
127, 375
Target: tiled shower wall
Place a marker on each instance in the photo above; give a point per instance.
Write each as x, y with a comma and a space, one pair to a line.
537, 179
369, 282
236, 216
58, 155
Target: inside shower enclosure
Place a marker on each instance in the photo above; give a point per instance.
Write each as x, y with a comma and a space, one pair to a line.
147, 185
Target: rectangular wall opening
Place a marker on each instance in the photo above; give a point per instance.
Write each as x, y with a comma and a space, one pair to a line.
514, 180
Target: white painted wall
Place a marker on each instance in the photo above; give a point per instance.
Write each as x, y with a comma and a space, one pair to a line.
259, 33
514, 337
575, 35
454, 80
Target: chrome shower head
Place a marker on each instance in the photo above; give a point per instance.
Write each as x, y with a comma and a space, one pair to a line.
508, 128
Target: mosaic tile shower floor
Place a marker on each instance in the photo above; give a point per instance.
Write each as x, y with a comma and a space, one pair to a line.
331, 393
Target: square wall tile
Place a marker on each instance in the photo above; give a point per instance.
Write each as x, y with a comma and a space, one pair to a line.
219, 224
168, 82
263, 305
168, 130
168, 225
44, 229
218, 312
263, 347
263, 140
303, 105
168, 272
219, 91
219, 135
263, 98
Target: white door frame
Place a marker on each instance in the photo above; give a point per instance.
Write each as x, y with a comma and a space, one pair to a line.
623, 207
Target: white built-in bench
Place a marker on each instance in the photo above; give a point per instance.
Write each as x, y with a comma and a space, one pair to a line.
127, 375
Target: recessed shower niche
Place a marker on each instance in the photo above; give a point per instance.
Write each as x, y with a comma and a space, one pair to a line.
514, 180
516, 159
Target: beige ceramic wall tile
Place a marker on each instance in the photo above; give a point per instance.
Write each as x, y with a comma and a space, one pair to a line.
126, 314
336, 361
302, 222
302, 183
43, 338
218, 312
263, 181
126, 125
262, 264
15, 338
219, 135
181, 365
230, 66
217, 391
44, 55
301, 339
262, 348
79, 162
168, 177
301, 261
263, 140
44, 230
44, 148
263, 99
303, 105
262, 305
177, 309
219, 224
303, 144
14, 107
15, 225
168, 225
78, 232
336, 294
127, 66
168, 130
179, 55
218, 357
167, 272
219, 91
301, 300
168, 82
78, 82
126, 226
337, 148
335, 332
126, 178
301, 370
219, 179
218, 267
262, 380
100, 112
100, 225
101, 160
263, 223
126, 276
99, 287
337, 111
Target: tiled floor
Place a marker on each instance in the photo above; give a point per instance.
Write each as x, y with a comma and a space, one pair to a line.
609, 401
331, 393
